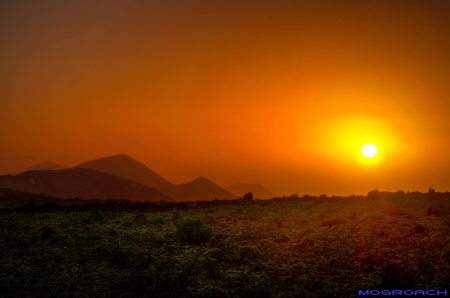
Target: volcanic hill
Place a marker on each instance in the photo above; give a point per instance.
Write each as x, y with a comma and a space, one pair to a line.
82, 183
125, 166
200, 189
46, 165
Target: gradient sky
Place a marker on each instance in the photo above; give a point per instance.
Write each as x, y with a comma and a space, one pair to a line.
281, 93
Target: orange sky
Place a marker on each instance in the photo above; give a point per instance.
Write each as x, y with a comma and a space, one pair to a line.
280, 94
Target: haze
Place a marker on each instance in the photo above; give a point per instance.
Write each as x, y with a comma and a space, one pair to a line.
277, 94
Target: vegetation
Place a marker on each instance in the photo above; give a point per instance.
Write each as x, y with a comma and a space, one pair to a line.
192, 229
284, 247
176, 215
374, 194
159, 220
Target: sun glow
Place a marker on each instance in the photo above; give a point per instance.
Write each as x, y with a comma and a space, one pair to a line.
369, 150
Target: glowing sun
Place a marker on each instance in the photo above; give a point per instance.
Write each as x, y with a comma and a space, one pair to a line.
369, 150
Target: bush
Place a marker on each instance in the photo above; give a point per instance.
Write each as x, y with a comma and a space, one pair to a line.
159, 220
248, 196
93, 216
192, 229
176, 215
374, 194
275, 218
96, 216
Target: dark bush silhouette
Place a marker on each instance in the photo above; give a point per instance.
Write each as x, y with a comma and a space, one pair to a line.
374, 194
248, 196
294, 196
399, 193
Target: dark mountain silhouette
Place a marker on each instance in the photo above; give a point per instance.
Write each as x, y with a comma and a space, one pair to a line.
82, 183
46, 165
200, 189
124, 166
259, 191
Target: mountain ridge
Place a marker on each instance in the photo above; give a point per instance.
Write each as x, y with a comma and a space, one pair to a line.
81, 182
122, 165
45, 165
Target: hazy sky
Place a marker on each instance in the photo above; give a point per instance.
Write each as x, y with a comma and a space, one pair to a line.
283, 93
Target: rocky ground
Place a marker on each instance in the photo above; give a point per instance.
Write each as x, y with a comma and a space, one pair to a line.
283, 247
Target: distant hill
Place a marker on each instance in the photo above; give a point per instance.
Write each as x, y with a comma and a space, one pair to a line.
200, 189
46, 165
82, 183
259, 191
124, 166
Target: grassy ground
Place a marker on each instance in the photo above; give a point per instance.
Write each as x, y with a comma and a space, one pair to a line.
286, 247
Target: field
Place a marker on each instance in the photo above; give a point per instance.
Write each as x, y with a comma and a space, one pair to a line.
283, 247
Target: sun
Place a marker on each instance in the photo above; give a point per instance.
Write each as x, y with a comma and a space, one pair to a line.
369, 150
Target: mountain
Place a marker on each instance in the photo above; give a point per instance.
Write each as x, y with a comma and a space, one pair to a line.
124, 166
46, 165
259, 191
82, 183
200, 189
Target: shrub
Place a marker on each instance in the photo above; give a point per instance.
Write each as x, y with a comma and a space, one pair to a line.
275, 218
192, 229
176, 215
159, 220
96, 216
93, 216
374, 194
248, 196
294, 196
